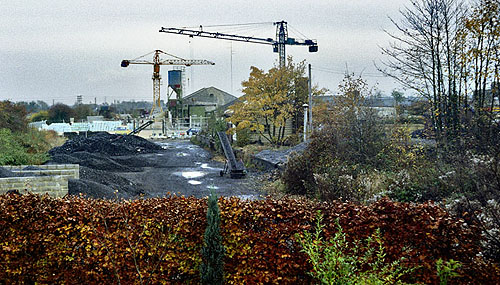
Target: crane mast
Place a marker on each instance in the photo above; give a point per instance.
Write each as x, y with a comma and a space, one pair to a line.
281, 36
278, 44
157, 61
156, 85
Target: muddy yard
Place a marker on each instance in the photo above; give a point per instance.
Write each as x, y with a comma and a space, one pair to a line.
186, 169
113, 166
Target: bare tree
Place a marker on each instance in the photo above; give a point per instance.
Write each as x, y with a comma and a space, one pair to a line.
448, 52
424, 57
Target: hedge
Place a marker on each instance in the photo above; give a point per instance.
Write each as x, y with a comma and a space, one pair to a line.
79, 240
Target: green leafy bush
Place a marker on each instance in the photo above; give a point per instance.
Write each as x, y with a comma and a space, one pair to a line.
243, 137
332, 167
22, 148
447, 270
342, 150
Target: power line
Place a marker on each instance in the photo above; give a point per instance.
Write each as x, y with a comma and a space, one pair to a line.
365, 74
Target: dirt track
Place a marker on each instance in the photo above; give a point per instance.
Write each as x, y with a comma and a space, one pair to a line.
186, 169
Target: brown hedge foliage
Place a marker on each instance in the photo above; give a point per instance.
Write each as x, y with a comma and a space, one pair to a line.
77, 240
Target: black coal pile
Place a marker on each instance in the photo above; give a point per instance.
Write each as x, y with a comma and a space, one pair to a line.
102, 184
99, 156
108, 144
102, 151
92, 160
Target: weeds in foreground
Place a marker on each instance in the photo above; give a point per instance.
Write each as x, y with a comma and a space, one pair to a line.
338, 261
447, 270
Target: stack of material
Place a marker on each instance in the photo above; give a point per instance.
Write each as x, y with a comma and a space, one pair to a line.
99, 156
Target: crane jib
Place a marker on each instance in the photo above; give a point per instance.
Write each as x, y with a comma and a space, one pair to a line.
278, 44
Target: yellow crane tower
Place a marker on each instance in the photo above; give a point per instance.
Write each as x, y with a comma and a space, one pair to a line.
157, 61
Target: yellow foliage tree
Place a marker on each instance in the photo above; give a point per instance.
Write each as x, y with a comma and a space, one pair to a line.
271, 99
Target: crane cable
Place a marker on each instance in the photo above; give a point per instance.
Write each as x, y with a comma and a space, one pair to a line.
228, 25
150, 53
246, 28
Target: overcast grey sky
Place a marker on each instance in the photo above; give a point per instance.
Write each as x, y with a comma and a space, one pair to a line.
58, 49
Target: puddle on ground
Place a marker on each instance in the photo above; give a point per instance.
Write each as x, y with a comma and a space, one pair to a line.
191, 174
164, 145
182, 154
194, 182
212, 187
205, 166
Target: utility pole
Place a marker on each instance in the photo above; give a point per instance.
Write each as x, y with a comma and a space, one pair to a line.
231, 68
305, 121
310, 101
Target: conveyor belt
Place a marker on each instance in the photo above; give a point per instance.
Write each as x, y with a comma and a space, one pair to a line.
141, 127
236, 168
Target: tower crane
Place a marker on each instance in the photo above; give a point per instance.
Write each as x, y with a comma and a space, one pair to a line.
156, 62
278, 44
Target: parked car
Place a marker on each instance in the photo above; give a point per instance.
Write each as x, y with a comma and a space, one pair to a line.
192, 131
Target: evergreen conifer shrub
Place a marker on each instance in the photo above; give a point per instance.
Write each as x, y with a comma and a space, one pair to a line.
212, 267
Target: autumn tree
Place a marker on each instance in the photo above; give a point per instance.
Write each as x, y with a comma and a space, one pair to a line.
480, 63
271, 100
345, 144
354, 121
481, 58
